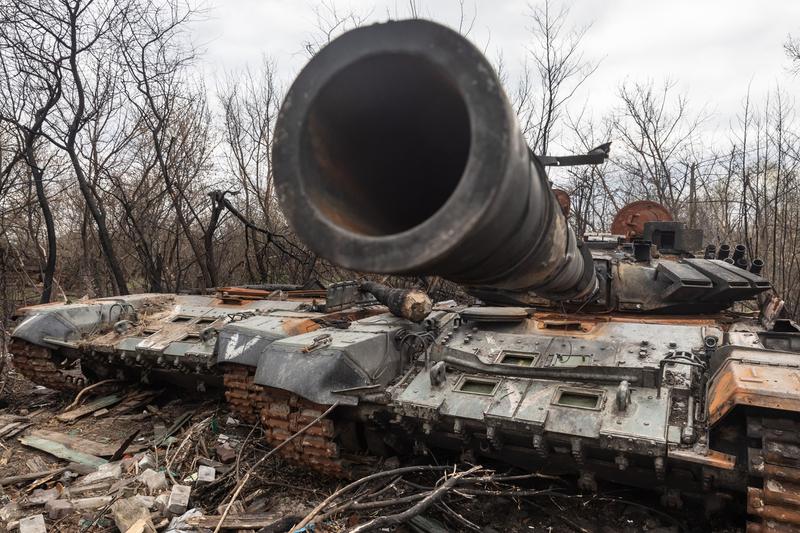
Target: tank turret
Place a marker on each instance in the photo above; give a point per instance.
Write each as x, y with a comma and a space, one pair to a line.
397, 152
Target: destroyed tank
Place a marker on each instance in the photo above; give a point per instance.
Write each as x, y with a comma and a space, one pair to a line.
638, 356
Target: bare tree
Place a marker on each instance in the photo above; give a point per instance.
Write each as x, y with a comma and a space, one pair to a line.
156, 55
659, 138
27, 98
556, 59
792, 49
332, 20
250, 102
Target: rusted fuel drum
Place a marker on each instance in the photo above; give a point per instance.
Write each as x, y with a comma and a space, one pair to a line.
396, 151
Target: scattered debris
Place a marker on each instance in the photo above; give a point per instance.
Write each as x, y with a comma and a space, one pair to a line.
10, 511
32, 524
180, 524
42, 496
147, 461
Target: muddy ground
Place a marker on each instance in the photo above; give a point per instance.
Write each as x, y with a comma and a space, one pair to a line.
276, 489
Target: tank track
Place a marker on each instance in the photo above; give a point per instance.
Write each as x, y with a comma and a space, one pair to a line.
282, 414
38, 365
775, 504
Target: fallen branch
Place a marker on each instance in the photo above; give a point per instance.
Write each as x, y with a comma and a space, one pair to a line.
458, 517
11, 480
411, 512
403, 470
83, 392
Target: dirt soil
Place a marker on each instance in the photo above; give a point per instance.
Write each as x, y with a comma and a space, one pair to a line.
275, 487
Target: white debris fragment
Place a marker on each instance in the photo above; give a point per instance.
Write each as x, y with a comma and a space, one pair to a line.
179, 499
104, 472
154, 481
32, 524
206, 474
179, 525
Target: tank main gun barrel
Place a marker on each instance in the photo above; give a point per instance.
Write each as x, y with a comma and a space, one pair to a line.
397, 151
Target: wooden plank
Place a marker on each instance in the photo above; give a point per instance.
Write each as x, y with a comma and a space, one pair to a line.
135, 401
176, 425
8, 428
17, 430
248, 521
85, 445
12, 480
61, 451
89, 408
76, 443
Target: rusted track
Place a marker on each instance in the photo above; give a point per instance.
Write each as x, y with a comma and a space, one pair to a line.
282, 414
776, 503
245, 398
38, 365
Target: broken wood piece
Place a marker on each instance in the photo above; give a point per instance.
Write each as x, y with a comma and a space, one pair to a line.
176, 425
12, 480
251, 521
83, 392
143, 525
95, 502
124, 446
8, 428
36, 464
76, 443
17, 430
80, 412
100, 486
61, 451
135, 401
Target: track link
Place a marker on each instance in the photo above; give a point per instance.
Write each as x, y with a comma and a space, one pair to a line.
245, 398
38, 365
282, 414
775, 505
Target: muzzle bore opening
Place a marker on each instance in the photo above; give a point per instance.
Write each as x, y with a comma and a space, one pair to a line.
385, 144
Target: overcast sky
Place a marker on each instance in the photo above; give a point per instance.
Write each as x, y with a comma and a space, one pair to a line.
712, 49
